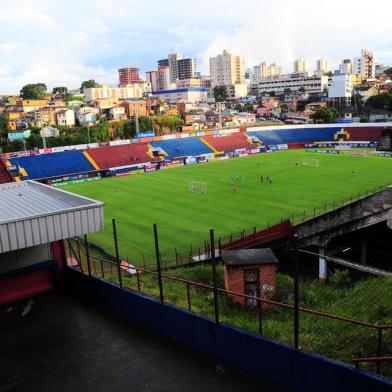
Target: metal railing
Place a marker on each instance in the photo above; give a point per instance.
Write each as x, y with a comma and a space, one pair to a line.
117, 270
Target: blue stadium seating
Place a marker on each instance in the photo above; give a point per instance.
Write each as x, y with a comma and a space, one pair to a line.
294, 135
190, 146
55, 164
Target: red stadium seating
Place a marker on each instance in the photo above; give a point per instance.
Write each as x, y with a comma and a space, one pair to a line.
3, 174
114, 156
228, 143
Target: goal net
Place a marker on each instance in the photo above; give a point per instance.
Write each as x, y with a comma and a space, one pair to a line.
197, 187
310, 162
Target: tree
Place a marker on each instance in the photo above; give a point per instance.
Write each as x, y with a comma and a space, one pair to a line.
302, 89
33, 91
248, 107
388, 72
220, 93
381, 102
326, 115
3, 129
288, 91
89, 84
272, 93
60, 90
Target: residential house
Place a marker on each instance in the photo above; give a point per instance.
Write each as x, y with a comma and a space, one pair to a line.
30, 105
87, 116
131, 107
66, 118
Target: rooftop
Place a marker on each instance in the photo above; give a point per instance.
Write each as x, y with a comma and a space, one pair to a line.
32, 213
249, 257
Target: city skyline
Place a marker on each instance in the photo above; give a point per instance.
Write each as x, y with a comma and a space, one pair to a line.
62, 44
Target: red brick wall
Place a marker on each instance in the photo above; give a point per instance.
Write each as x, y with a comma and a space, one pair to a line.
267, 282
234, 281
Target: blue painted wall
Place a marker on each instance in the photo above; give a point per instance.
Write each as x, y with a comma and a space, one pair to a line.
268, 359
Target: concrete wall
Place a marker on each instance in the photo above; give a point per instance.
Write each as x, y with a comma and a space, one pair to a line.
263, 357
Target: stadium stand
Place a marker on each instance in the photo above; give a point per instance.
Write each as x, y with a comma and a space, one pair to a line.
3, 174
314, 134
191, 146
114, 156
52, 165
233, 142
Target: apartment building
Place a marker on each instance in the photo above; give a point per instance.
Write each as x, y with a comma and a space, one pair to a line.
340, 91
134, 90
173, 66
264, 71
312, 84
365, 65
227, 69
301, 65
128, 75
346, 66
323, 66
186, 68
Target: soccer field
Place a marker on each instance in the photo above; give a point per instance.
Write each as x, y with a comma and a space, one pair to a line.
185, 218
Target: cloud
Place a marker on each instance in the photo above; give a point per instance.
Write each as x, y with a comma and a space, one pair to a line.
66, 42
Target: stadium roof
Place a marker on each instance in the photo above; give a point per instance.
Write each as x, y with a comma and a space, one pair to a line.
249, 257
32, 214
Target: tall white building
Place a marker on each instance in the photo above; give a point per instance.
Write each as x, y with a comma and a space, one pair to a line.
159, 79
301, 65
227, 69
173, 66
340, 91
323, 65
264, 71
365, 65
346, 67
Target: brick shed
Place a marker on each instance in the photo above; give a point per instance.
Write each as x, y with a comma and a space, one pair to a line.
251, 272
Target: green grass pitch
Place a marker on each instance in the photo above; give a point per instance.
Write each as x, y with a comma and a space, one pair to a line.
185, 218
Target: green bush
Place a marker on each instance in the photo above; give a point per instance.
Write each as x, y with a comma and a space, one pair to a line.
340, 279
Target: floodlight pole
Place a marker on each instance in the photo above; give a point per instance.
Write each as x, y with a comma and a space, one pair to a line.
137, 118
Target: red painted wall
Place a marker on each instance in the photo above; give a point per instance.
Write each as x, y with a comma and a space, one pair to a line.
15, 288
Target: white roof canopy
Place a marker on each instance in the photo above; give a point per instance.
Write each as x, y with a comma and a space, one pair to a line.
32, 214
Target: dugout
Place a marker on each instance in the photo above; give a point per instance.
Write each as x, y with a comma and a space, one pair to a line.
385, 143
34, 220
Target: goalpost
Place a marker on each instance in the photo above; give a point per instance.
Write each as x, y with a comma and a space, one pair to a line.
310, 162
197, 187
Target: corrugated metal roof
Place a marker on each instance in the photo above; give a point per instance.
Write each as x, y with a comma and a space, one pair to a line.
27, 199
249, 256
32, 214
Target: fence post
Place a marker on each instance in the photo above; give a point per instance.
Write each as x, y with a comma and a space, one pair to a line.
87, 254
118, 262
296, 292
188, 294
138, 279
220, 247
158, 258
260, 317
214, 275
79, 256
379, 349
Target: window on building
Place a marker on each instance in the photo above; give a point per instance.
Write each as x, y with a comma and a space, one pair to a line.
251, 285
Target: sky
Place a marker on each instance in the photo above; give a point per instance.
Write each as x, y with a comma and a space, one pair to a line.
63, 42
